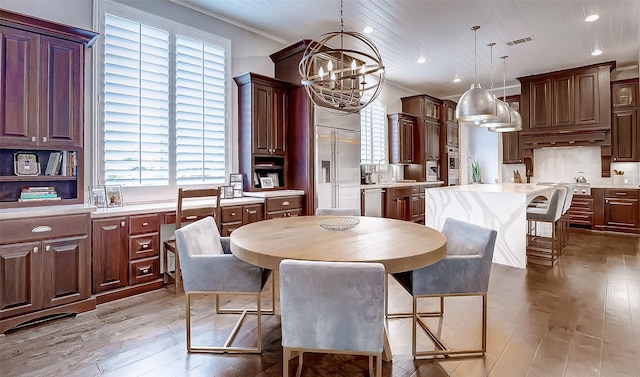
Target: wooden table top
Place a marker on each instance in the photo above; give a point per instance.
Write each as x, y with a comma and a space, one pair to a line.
398, 245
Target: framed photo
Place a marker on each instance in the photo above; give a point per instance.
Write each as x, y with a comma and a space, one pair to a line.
114, 196
274, 178
266, 182
26, 164
235, 180
97, 196
227, 192
235, 177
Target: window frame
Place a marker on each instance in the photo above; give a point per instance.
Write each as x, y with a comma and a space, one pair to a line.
142, 194
384, 126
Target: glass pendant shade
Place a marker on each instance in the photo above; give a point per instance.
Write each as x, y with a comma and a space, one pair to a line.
476, 104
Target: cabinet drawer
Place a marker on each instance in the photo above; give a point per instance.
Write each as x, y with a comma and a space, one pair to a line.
228, 228
140, 224
400, 191
40, 228
283, 203
580, 204
623, 194
143, 246
231, 214
144, 270
281, 214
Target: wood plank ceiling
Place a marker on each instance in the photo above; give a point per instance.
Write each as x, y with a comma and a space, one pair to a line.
438, 30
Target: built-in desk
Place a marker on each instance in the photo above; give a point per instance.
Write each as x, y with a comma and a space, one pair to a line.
502, 207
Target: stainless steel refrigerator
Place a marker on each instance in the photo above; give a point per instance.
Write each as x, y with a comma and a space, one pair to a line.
337, 160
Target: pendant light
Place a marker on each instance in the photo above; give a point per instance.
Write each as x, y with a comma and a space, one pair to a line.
502, 110
515, 120
475, 103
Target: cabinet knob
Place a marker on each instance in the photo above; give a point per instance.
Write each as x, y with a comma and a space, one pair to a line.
285, 203
44, 139
145, 246
35, 250
33, 138
122, 223
47, 248
145, 270
233, 213
41, 229
251, 212
145, 224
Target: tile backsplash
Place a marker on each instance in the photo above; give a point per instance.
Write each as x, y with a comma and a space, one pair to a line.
562, 164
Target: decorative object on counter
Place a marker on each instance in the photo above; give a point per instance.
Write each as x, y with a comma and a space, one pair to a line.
516, 177
353, 78
338, 223
114, 196
226, 192
26, 164
514, 120
580, 178
235, 180
475, 103
618, 177
97, 196
475, 172
266, 182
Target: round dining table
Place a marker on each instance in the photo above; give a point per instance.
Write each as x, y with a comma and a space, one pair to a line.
398, 245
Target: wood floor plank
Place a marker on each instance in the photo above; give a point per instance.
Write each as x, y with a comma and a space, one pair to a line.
585, 357
550, 358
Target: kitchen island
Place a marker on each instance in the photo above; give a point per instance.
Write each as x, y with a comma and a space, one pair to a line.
501, 207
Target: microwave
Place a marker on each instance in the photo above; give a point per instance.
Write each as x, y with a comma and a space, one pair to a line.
433, 171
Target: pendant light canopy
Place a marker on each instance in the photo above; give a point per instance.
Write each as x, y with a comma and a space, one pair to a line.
342, 70
514, 122
476, 103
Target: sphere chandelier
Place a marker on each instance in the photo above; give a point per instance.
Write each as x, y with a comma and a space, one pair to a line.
345, 78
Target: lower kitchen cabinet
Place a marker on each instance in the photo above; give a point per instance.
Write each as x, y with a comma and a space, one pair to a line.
45, 268
398, 203
283, 206
233, 217
126, 256
581, 210
418, 204
617, 210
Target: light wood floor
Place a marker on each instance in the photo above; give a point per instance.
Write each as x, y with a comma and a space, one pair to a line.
580, 318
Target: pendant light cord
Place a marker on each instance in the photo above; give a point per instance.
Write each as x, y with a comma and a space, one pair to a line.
504, 78
491, 63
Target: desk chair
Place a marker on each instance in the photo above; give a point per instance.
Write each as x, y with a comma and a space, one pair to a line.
337, 212
208, 267
464, 271
332, 307
208, 204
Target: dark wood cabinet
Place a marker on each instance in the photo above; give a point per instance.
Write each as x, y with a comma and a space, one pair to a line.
233, 217
418, 204
263, 125
398, 203
41, 103
581, 210
422, 105
110, 254
625, 137
616, 209
511, 151
45, 268
427, 140
283, 206
401, 138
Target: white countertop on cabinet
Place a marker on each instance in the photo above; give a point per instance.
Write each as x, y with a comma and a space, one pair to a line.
401, 184
21, 213
273, 194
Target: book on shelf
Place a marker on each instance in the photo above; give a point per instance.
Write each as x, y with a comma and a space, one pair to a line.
53, 165
37, 199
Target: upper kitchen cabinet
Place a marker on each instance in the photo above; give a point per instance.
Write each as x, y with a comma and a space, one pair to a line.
422, 106
262, 111
42, 76
401, 135
41, 108
450, 136
427, 140
511, 152
624, 121
570, 100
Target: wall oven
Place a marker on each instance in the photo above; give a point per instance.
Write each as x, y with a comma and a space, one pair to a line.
453, 163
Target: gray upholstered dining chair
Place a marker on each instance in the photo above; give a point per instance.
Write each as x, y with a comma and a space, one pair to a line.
332, 307
464, 271
208, 267
337, 212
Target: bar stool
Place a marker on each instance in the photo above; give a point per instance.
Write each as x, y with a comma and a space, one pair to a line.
565, 218
540, 249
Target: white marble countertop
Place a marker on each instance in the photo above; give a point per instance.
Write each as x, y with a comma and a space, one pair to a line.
272, 194
524, 188
400, 184
20, 213
621, 187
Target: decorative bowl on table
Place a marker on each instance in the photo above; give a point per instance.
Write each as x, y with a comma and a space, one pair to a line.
338, 223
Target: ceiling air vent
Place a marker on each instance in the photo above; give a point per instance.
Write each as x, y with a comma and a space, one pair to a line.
518, 41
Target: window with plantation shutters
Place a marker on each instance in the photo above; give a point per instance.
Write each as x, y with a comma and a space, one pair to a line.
162, 111
373, 126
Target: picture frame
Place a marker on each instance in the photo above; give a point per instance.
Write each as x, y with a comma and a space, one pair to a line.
114, 196
235, 180
97, 196
266, 182
227, 192
26, 164
274, 178
256, 179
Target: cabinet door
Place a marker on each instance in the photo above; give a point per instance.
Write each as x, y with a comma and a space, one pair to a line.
563, 101
262, 118
433, 141
278, 130
19, 83
587, 99
624, 94
21, 284
624, 134
406, 141
61, 92
540, 101
66, 271
511, 153
252, 213
110, 254
621, 213
452, 135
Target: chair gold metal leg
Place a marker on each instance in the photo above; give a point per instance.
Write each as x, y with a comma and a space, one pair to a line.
300, 360
188, 319
414, 320
379, 366
484, 323
286, 353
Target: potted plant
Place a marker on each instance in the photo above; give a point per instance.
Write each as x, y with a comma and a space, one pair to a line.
475, 172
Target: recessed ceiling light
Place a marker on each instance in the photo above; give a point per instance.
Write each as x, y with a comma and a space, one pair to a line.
457, 79
367, 30
421, 60
596, 52
592, 17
